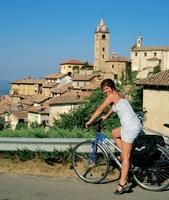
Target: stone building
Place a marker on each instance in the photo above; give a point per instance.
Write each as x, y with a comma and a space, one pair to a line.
119, 66
26, 86
101, 46
68, 67
115, 66
148, 57
155, 100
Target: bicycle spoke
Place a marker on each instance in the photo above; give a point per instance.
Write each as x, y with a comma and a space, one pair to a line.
155, 177
97, 169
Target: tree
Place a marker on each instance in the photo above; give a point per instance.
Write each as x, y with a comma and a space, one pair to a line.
136, 101
1, 123
122, 77
75, 67
78, 118
156, 69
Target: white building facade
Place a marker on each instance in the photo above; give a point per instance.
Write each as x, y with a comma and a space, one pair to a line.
148, 57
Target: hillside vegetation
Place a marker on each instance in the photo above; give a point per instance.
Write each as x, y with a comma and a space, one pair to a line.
72, 124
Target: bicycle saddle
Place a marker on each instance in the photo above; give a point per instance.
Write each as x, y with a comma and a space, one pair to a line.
166, 125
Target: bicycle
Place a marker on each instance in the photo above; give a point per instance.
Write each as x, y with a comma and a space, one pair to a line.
91, 162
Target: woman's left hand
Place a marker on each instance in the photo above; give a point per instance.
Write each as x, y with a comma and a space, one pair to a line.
104, 117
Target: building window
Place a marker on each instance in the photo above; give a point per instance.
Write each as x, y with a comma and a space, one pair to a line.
145, 54
102, 56
103, 36
69, 66
112, 66
155, 54
103, 49
135, 54
115, 77
96, 37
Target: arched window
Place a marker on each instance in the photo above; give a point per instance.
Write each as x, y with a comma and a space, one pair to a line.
103, 49
103, 36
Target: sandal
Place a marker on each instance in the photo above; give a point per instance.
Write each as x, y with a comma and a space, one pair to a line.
123, 190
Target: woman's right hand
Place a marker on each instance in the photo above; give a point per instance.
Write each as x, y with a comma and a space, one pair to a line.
87, 124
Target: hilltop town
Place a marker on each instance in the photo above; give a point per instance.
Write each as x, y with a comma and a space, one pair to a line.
39, 100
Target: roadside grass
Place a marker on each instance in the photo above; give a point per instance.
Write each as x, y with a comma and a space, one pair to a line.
35, 166
56, 163
42, 163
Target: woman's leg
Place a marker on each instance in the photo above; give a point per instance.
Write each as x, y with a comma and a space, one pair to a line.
126, 150
116, 134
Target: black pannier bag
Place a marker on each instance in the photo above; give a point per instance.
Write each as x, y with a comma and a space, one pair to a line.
144, 151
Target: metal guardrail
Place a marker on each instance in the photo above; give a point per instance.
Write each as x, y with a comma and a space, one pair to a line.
35, 144
46, 144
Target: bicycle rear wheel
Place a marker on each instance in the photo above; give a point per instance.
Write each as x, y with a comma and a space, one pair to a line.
97, 170
156, 177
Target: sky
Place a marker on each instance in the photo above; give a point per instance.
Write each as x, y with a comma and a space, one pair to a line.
37, 35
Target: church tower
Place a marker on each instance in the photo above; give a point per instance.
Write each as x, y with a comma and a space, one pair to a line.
139, 41
101, 46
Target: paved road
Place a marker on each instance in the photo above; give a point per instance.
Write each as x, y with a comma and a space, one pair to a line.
31, 187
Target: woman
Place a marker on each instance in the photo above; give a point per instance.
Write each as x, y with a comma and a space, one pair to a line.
124, 135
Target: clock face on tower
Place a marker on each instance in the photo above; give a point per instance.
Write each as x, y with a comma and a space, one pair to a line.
103, 28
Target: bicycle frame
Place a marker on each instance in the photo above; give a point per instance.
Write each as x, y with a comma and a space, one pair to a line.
100, 138
104, 141
101, 150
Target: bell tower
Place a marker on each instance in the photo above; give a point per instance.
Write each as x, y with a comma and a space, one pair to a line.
101, 46
139, 41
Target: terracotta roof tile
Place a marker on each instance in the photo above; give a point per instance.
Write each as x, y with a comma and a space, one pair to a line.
50, 84
154, 58
27, 101
92, 86
83, 77
28, 81
159, 79
118, 59
21, 114
62, 89
67, 100
38, 109
3, 109
157, 48
39, 98
4, 103
55, 76
75, 93
72, 61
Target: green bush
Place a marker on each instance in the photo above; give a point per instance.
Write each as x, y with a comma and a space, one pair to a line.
21, 125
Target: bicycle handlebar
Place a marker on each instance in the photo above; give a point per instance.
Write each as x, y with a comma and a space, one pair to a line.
97, 122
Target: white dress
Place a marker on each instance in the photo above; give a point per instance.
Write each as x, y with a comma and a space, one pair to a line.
130, 124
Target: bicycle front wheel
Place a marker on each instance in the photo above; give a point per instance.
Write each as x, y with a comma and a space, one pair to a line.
155, 177
95, 171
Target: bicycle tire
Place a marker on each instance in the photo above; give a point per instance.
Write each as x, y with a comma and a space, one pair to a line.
97, 170
155, 177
